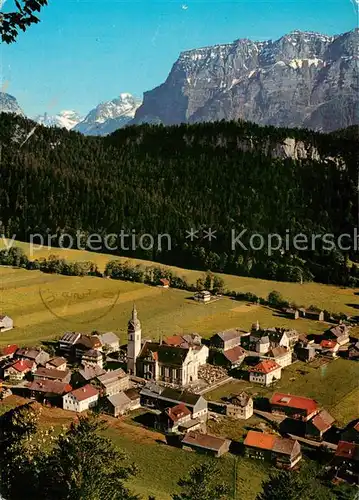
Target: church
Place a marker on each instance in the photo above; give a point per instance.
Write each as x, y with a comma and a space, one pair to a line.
160, 362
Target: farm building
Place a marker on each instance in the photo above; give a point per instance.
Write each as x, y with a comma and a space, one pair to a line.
296, 407
204, 443
227, 339
203, 296
57, 363
318, 425
113, 382
284, 453
6, 323
52, 374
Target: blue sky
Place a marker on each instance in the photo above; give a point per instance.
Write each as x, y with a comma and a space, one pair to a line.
87, 51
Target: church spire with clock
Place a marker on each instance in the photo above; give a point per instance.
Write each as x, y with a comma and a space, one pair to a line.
134, 341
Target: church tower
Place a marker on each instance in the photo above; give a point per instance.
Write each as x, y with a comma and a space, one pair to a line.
134, 341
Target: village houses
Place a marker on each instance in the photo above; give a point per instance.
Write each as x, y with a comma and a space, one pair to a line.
283, 452
240, 406
265, 372
81, 399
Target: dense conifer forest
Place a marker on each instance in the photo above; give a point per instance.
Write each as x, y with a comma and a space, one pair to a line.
157, 180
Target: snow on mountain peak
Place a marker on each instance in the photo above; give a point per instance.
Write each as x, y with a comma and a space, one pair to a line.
65, 119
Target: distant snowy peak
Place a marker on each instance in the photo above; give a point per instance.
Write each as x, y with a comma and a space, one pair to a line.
9, 104
109, 116
65, 119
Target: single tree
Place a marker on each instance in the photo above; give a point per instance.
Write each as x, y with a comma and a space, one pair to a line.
20, 19
84, 464
202, 483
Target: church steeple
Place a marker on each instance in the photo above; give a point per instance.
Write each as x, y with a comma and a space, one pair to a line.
134, 340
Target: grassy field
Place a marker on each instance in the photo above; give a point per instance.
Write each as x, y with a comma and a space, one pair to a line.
44, 306
334, 299
334, 386
161, 466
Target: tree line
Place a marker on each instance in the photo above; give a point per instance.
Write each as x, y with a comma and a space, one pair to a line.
168, 180
81, 463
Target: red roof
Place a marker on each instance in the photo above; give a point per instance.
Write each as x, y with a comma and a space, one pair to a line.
177, 412
174, 340
23, 365
85, 392
234, 354
328, 344
260, 440
347, 450
164, 281
290, 401
9, 350
323, 421
266, 366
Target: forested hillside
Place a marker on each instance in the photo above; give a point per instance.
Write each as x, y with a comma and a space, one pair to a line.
153, 179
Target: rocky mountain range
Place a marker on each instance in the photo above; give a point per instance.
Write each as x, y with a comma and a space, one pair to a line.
9, 104
109, 116
65, 119
304, 79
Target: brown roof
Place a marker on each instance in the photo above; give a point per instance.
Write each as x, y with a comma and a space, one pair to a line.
347, 450
285, 446
323, 421
89, 342
234, 354
260, 440
85, 392
277, 352
241, 399
290, 401
229, 334
266, 366
50, 386
177, 412
339, 330
204, 441
112, 376
56, 362
51, 373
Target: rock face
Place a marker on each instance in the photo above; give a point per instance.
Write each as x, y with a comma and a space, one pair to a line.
65, 119
109, 116
8, 104
301, 80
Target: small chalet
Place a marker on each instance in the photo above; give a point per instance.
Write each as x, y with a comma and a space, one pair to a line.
318, 425
8, 351
291, 313
88, 373
284, 453
52, 374
227, 339
346, 461
240, 406
313, 314
281, 355
234, 357
57, 363
109, 342
93, 357
19, 369
38, 356
179, 419
339, 333
157, 397
6, 323
205, 443
305, 351
203, 296
50, 391
118, 404
329, 347
81, 399
86, 343
296, 407
68, 341
113, 382
164, 283
265, 372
